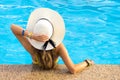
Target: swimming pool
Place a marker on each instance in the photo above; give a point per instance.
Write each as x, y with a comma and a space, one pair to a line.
92, 29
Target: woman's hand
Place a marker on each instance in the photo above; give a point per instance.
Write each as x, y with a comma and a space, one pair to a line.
37, 37
41, 38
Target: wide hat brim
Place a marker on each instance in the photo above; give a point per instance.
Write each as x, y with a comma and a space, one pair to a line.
55, 19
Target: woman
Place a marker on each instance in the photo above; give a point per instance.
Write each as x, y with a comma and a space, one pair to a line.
46, 59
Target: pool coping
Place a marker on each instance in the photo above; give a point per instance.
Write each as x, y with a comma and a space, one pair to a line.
30, 72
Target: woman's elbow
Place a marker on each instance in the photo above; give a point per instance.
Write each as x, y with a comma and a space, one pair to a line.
73, 71
12, 27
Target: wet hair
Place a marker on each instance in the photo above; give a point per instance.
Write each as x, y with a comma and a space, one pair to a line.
46, 59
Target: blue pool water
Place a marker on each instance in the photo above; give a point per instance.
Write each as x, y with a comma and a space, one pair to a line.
92, 29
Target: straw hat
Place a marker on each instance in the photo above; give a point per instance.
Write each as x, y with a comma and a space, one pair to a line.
48, 22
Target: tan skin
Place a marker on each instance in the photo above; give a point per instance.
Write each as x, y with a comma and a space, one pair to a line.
60, 49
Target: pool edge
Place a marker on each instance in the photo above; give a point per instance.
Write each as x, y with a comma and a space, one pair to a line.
30, 72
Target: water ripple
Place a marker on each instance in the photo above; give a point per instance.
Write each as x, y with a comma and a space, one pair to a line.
92, 25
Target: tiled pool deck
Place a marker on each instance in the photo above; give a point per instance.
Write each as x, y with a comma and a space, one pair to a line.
30, 72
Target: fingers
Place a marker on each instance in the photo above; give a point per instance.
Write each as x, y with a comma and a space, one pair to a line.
41, 38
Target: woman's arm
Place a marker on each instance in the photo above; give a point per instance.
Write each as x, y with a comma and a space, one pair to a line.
73, 68
18, 31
